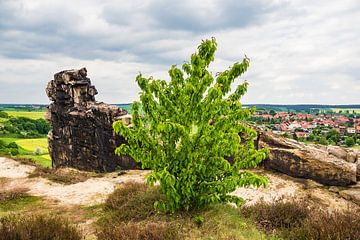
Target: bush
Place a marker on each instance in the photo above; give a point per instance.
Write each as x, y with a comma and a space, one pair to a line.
13, 194
14, 152
349, 141
38, 151
139, 231
13, 145
295, 220
3, 114
37, 228
190, 125
133, 202
323, 225
278, 214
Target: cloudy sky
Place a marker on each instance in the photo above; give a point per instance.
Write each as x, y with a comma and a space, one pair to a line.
301, 51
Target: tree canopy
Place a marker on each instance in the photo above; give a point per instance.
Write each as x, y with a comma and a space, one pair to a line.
190, 125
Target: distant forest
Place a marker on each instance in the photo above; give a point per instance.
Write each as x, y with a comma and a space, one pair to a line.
276, 107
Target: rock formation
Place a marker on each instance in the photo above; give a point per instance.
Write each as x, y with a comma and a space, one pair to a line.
82, 136
327, 165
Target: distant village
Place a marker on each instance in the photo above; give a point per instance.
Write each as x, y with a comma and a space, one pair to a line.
324, 128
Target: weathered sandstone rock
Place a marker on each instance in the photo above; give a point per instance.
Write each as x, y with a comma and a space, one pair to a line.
82, 136
307, 161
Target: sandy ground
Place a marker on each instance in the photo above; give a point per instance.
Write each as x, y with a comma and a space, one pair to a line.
95, 190
92, 191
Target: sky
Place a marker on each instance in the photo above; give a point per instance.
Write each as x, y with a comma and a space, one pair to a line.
301, 51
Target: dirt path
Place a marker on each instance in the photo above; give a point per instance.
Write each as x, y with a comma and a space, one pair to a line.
95, 190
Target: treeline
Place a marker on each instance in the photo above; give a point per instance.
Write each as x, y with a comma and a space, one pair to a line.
23, 127
9, 149
300, 107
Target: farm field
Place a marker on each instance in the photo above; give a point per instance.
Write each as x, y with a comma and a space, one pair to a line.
31, 115
32, 144
351, 110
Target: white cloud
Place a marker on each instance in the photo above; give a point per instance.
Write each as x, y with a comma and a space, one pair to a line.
301, 51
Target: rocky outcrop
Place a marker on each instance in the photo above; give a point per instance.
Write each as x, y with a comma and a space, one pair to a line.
82, 136
329, 166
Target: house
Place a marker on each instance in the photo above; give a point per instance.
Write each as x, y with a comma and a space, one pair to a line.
342, 119
342, 129
267, 116
294, 125
283, 127
358, 129
301, 134
351, 130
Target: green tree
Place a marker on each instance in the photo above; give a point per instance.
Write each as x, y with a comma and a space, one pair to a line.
333, 135
3, 114
322, 140
190, 124
349, 141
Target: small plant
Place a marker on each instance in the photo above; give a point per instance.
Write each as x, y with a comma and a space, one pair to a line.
190, 125
198, 220
38, 151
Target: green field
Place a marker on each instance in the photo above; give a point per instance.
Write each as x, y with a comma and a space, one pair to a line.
351, 110
32, 144
27, 149
32, 115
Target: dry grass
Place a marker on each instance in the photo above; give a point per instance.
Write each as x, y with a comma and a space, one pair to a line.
16, 227
133, 202
139, 230
295, 220
129, 214
61, 175
13, 194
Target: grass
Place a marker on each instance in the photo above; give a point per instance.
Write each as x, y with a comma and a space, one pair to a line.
64, 176
295, 220
16, 200
357, 110
356, 147
32, 143
27, 148
129, 214
39, 227
31, 115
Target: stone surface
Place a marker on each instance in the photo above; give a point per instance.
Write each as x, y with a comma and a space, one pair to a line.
307, 161
82, 136
352, 194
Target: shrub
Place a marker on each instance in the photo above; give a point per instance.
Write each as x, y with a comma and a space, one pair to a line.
278, 214
3, 114
38, 151
13, 145
37, 228
133, 201
323, 225
14, 151
13, 194
295, 220
190, 125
